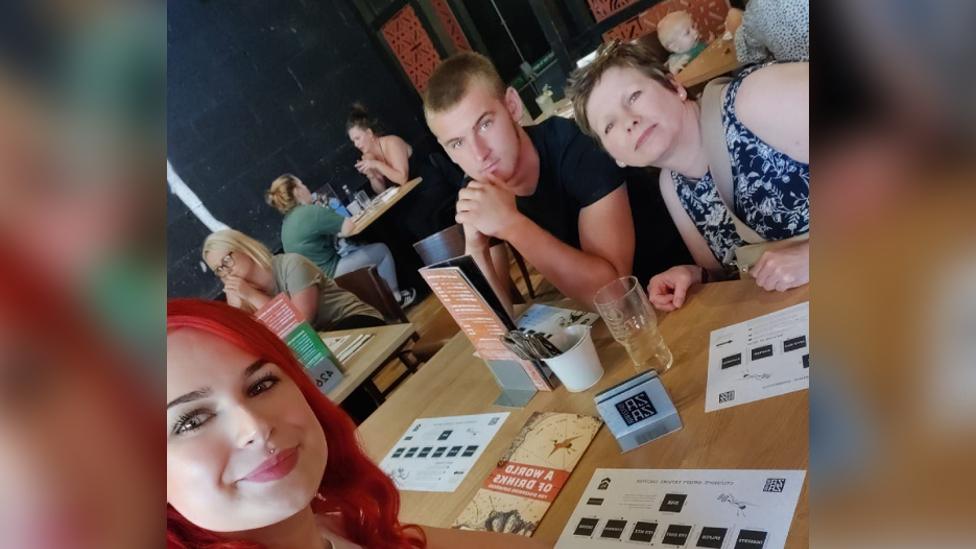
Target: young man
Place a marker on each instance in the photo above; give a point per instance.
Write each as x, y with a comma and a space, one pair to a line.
547, 189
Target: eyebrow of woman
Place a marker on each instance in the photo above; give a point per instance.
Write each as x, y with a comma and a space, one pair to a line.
201, 393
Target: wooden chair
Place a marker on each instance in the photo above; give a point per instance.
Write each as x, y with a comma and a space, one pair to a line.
449, 243
367, 284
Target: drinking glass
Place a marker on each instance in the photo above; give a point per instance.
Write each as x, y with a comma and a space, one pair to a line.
632, 322
363, 200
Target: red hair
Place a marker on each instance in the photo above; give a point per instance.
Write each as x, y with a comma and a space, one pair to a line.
352, 486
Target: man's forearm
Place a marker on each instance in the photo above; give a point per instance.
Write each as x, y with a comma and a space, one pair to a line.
482, 257
575, 273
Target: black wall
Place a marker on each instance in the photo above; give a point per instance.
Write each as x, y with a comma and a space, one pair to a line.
523, 25
257, 88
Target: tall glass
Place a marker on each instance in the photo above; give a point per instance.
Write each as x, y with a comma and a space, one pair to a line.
363, 199
630, 318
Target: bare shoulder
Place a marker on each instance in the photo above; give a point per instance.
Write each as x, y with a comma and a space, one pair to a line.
774, 103
774, 86
392, 141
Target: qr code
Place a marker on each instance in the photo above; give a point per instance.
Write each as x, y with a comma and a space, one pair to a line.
774, 485
727, 396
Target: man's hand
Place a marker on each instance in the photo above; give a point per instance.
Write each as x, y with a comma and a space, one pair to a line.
783, 268
667, 290
488, 207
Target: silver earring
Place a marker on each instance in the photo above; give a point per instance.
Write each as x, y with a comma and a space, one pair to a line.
621, 164
272, 450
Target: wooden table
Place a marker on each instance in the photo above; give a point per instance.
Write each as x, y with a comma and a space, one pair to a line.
716, 59
380, 207
386, 343
563, 108
769, 434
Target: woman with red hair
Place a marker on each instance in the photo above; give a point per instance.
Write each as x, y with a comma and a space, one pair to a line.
257, 457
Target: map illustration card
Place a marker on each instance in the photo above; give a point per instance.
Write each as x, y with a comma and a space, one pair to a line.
517, 494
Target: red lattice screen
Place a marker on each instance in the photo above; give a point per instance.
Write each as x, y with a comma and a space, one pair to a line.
709, 16
408, 39
450, 22
605, 8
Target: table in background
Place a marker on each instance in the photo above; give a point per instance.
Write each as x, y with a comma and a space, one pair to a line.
562, 108
715, 60
768, 434
380, 207
385, 345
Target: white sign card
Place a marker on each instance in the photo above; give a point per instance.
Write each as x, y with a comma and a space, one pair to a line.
549, 320
760, 358
710, 508
436, 453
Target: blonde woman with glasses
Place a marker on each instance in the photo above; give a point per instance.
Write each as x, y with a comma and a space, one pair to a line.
252, 276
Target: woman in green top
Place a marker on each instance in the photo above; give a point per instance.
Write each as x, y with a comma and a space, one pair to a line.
252, 276
312, 231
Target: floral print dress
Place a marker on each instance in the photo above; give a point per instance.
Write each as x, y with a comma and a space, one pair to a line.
771, 190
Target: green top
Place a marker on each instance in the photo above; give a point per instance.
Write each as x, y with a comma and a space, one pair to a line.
311, 231
293, 273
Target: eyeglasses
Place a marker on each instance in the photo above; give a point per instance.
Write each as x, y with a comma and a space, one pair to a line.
225, 266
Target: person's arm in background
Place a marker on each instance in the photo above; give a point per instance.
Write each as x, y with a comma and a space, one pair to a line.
244, 293
348, 224
376, 181
307, 302
328, 222
301, 282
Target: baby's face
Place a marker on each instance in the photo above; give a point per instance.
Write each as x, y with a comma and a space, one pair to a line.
677, 34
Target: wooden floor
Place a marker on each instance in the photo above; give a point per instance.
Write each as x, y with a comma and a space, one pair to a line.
429, 315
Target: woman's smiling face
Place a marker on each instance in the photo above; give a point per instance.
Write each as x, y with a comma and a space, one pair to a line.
244, 449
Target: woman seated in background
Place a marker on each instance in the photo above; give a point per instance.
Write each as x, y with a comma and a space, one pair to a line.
755, 158
313, 232
388, 160
385, 159
256, 456
252, 276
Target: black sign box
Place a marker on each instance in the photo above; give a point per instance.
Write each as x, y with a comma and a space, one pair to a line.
750, 539
673, 502
712, 537
762, 352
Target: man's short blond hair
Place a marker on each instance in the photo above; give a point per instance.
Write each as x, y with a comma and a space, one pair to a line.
452, 78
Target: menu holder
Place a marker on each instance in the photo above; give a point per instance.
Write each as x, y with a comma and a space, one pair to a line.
282, 318
469, 298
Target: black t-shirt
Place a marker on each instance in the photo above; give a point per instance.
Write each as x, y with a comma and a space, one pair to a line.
658, 244
573, 173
